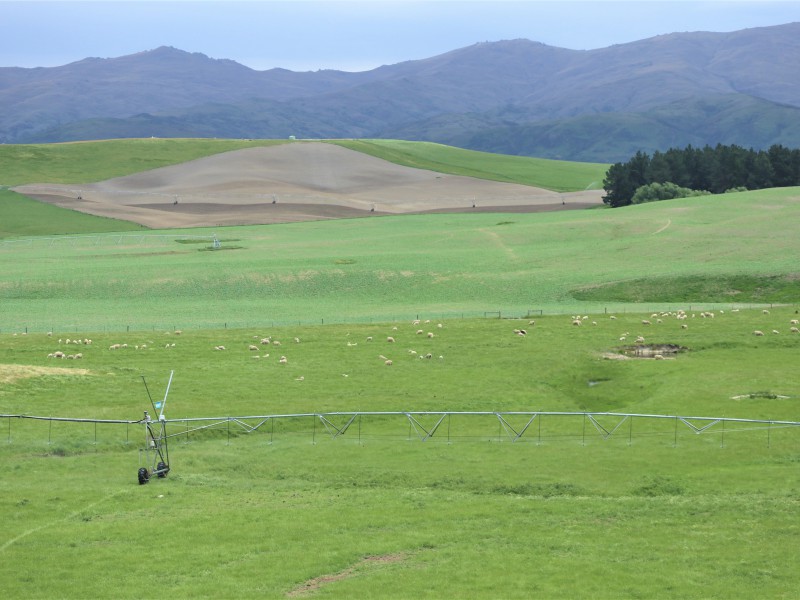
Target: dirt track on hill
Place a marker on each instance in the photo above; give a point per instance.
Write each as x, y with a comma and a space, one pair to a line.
294, 182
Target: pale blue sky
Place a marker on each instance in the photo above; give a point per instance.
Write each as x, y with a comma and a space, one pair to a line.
306, 35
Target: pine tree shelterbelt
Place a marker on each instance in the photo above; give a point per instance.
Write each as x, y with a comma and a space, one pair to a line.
715, 170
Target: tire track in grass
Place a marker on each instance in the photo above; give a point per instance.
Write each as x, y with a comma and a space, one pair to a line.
669, 222
366, 564
497, 240
72, 515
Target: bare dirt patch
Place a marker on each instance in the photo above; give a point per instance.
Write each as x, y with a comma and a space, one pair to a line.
12, 373
366, 563
294, 182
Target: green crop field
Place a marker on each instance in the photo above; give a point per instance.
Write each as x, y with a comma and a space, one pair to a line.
601, 507
557, 175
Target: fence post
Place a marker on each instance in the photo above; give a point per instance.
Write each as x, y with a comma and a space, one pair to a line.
675, 440
539, 441
583, 442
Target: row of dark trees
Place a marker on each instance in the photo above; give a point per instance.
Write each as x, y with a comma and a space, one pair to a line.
715, 170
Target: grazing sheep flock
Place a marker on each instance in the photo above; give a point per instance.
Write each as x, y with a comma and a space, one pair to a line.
418, 342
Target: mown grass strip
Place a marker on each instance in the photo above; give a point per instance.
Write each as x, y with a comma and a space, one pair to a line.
560, 176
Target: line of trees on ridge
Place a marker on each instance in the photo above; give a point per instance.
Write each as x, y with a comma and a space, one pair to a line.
712, 170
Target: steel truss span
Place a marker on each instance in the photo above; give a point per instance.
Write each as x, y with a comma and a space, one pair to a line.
427, 425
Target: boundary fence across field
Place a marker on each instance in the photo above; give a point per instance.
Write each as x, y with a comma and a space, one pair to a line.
438, 426
508, 313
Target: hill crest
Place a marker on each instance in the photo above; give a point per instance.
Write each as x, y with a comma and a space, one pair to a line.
449, 98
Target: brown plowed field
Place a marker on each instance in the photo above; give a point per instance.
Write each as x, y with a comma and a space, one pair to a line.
293, 182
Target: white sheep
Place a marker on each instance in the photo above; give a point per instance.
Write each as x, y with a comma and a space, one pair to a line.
420, 332
430, 334
283, 360
794, 322
252, 348
794, 330
758, 333
645, 322
388, 362
577, 322
390, 339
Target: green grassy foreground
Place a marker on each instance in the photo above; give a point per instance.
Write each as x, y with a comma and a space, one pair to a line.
653, 511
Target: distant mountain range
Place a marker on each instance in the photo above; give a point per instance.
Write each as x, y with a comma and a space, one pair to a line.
513, 97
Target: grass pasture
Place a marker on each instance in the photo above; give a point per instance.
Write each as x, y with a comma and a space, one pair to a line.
654, 510
399, 267
557, 175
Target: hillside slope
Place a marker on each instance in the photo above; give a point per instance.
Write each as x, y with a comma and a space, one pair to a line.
459, 96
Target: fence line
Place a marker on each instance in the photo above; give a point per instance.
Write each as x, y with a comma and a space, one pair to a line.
425, 425
508, 313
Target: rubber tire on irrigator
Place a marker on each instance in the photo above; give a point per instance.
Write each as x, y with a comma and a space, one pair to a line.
162, 470
144, 476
